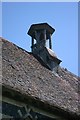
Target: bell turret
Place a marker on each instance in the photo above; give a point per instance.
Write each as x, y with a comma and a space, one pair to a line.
40, 34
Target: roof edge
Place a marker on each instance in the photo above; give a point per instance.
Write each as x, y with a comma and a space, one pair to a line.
8, 91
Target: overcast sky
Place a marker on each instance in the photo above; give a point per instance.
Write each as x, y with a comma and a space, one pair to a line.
18, 17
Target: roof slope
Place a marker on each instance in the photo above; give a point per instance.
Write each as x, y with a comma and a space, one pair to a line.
22, 72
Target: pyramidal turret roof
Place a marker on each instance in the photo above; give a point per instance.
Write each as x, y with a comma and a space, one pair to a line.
24, 74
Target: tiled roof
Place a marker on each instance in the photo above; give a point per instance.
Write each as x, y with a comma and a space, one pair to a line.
23, 72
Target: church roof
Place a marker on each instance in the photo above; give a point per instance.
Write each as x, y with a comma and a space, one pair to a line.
23, 73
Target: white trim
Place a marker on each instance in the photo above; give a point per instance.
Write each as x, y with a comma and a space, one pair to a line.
14, 102
0, 116
20, 104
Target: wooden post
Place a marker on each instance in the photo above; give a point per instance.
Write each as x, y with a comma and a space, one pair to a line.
45, 38
32, 43
36, 36
50, 45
